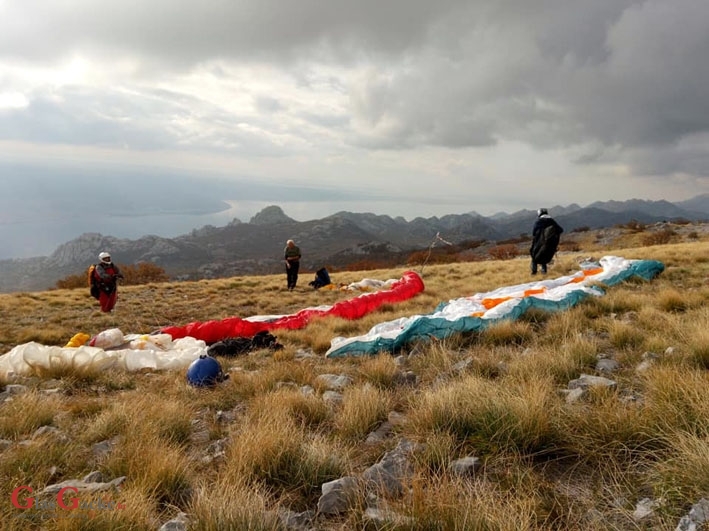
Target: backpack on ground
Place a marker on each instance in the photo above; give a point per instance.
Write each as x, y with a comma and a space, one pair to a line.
322, 279
235, 346
93, 283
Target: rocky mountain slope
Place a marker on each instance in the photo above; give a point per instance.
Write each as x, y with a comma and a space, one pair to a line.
256, 247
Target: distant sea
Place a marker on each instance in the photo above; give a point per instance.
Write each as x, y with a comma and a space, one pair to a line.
41, 237
38, 236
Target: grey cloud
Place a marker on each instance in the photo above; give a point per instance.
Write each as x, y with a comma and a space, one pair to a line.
151, 120
653, 91
86, 119
187, 31
267, 104
618, 77
330, 121
628, 74
665, 160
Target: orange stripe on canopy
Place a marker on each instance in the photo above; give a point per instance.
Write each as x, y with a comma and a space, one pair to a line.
586, 273
590, 272
536, 291
491, 303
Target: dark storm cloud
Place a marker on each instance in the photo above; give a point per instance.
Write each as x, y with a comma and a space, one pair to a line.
187, 31
616, 74
618, 77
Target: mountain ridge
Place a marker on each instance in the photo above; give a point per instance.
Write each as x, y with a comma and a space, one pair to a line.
255, 247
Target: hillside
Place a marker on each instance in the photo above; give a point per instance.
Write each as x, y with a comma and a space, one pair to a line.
493, 430
344, 240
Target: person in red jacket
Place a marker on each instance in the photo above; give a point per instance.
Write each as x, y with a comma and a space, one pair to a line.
105, 276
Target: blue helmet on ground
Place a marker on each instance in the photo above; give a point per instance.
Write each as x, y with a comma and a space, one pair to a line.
205, 371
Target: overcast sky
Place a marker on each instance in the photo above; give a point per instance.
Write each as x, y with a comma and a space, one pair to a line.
119, 116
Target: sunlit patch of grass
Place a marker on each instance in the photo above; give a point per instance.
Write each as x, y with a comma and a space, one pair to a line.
441, 502
286, 371
698, 348
344, 327
437, 453
614, 302
308, 411
563, 326
26, 412
116, 381
74, 379
363, 408
380, 371
284, 354
170, 421
625, 336
32, 463
671, 300
684, 474
515, 416
135, 511
560, 363
317, 336
232, 505
46, 335
155, 467
272, 451
616, 428
678, 398
491, 362
82, 407
435, 358
507, 332
110, 422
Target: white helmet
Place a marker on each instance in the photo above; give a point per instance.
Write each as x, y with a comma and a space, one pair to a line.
104, 256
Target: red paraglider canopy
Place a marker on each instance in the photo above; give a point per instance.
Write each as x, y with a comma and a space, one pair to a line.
408, 286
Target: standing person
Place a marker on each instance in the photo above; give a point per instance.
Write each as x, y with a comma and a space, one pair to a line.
545, 240
292, 257
105, 275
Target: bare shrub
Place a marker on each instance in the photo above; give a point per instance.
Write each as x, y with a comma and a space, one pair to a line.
660, 237
569, 246
503, 252
134, 274
634, 226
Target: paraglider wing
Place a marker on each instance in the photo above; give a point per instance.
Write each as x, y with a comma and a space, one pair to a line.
470, 314
408, 286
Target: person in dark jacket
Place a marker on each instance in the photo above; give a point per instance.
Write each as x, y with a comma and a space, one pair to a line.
105, 276
545, 240
292, 257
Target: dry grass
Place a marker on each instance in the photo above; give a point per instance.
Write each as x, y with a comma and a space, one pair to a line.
497, 395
